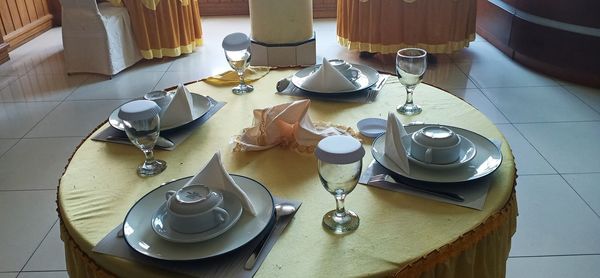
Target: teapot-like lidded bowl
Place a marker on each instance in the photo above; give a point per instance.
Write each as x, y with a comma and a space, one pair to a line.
436, 137
193, 199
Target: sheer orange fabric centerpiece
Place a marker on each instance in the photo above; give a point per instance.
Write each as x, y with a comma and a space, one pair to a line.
165, 27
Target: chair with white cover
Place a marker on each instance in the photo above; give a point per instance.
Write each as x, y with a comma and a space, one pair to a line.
97, 37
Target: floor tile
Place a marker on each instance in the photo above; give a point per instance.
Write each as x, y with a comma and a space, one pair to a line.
6, 144
588, 187
54, 63
32, 214
16, 119
503, 73
47, 157
202, 63
447, 76
476, 98
153, 65
44, 274
478, 51
554, 267
553, 220
61, 122
126, 85
527, 158
540, 104
8, 274
568, 147
41, 87
590, 96
50, 255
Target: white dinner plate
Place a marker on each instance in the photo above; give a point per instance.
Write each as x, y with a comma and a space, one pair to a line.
466, 153
487, 159
140, 236
200, 106
367, 78
231, 204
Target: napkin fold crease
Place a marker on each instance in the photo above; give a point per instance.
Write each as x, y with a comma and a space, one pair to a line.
328, 79
214, 175
396, 138
179, 109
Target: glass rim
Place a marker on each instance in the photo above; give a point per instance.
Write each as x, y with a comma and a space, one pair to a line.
423, 51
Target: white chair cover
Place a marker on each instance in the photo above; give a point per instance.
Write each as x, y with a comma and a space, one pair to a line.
97, 37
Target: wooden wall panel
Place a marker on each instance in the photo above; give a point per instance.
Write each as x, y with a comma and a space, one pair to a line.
22, 20
321, 8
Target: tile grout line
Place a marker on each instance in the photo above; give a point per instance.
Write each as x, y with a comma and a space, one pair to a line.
38, 246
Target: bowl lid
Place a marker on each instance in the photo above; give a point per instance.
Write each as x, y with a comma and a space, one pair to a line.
236, 41
436, 136
339, 149
138, 110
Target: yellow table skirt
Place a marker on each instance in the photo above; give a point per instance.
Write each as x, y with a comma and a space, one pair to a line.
399, 235
384, 26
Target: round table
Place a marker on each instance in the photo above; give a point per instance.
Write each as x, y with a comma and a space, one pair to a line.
399, 234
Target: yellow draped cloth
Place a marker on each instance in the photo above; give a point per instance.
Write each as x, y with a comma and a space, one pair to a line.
384, 26
399, 235
164, 27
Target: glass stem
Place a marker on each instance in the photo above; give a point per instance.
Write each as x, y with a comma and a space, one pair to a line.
409, 94
242, 81
340, 210
149, 154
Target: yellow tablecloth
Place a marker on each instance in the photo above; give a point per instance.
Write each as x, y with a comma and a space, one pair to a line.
398, 235
384, 26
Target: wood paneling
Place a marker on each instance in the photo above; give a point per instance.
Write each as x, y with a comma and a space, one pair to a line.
22, 20
567, 55
321, 8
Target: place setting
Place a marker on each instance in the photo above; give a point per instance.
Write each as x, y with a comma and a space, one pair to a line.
334, 80
211, 224
180, 113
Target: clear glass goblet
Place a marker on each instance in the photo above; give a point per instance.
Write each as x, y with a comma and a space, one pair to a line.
237, 52
239, 60
340, 165
411, 64
142, 126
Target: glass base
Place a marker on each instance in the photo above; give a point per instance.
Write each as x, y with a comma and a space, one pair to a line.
341, 224
409, 109
151, 169
242, 89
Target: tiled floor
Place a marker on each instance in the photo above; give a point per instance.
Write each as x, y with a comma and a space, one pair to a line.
553, 127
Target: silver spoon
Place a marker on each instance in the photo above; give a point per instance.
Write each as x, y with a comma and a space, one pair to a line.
282, 209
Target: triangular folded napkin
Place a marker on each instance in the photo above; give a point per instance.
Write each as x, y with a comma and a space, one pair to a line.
395, 139
180, 109
287, 124
327, 79
216, 177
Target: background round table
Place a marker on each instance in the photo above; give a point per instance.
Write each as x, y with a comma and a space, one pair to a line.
399, 234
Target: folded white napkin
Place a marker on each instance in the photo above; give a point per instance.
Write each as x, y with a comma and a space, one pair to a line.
216, 177
395, 139
180, 109
327, 79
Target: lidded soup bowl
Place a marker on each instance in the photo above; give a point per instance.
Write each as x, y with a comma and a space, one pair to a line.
435, 145
195, 209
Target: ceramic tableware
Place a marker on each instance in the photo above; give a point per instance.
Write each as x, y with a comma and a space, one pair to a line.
200, 106
486, 160
366, 79
195, 209
371, 127
141, 237
435, 145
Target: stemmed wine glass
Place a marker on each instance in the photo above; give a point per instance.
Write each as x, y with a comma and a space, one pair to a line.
237, 52
411, 64
142, 126
340, 165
